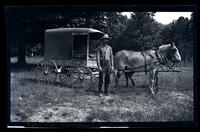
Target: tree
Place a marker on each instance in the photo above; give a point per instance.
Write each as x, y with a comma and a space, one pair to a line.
115, 25
25, 26
141, 33
20, 29
180, 32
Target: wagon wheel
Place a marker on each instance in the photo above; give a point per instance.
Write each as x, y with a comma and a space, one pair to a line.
65, 76
46, 71
95, 82
82, 77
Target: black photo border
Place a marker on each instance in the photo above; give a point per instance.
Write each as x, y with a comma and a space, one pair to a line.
5, 89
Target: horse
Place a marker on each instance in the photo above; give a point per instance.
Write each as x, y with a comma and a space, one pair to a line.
129, 62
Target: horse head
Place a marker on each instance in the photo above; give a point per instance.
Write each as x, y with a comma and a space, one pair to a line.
170, 52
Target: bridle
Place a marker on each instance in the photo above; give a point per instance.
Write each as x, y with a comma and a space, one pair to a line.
163, 60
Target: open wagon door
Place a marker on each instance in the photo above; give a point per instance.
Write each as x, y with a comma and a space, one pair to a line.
80, 46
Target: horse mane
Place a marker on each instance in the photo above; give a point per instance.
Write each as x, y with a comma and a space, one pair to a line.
164, 46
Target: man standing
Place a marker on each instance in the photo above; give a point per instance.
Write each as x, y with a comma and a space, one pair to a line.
105, 64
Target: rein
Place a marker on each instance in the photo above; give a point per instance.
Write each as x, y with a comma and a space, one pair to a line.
145, 63
163, 60
160, 59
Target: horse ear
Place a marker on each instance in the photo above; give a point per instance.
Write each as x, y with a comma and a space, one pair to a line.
172, 44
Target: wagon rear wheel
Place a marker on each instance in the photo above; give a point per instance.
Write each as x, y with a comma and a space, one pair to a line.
82, 77
65, 76
46, 71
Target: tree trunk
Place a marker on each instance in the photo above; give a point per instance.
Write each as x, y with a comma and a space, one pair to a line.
21, 54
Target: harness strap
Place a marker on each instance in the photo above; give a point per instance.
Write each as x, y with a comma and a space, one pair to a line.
162, 60
158, 56
145, 66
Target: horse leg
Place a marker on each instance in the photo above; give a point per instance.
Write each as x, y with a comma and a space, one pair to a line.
117, 78
152, 80
127, 78
132, 79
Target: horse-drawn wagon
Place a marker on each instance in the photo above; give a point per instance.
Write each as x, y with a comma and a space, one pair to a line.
69, 53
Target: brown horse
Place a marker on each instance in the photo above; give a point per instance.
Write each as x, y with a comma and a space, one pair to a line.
130, 62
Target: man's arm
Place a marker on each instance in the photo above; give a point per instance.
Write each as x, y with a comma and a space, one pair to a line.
111, 58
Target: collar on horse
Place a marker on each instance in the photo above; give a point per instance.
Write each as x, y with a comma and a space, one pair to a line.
145, 62
162, 60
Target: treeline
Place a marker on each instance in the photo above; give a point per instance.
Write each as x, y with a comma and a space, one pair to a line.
25, 28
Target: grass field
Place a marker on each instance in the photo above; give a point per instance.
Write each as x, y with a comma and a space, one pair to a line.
37, 102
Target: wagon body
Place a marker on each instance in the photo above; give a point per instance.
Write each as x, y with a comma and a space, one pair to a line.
70, 54
70, 46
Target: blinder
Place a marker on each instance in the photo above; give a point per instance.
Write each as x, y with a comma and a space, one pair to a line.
171, 53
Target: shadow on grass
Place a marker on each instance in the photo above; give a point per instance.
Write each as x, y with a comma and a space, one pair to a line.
56, 84
43, 82
15, 67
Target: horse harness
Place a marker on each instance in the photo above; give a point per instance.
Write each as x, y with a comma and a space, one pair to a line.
160, 59
145, 62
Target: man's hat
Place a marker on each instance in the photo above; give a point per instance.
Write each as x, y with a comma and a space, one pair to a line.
105, 36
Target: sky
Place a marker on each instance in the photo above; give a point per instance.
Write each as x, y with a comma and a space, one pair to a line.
166, 17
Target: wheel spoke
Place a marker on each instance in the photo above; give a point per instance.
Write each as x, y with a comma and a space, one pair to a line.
43, 66
47, 68
81, 77
65, 77
40, 68
45, 71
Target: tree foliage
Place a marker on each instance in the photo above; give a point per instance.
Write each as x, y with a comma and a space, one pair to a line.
25, 28
181, 33
141, 33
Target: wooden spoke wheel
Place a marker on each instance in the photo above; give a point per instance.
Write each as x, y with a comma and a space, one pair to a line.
46, 71
81, 77
65, 76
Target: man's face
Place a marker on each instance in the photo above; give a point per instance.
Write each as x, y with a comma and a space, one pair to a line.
104, 41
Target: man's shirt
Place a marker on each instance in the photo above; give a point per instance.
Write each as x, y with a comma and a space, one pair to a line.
104, 53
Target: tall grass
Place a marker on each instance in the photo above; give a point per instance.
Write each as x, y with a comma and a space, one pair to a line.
31, 101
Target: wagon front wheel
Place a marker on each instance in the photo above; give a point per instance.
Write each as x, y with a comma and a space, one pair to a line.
65, 76
46, 71
82, 77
